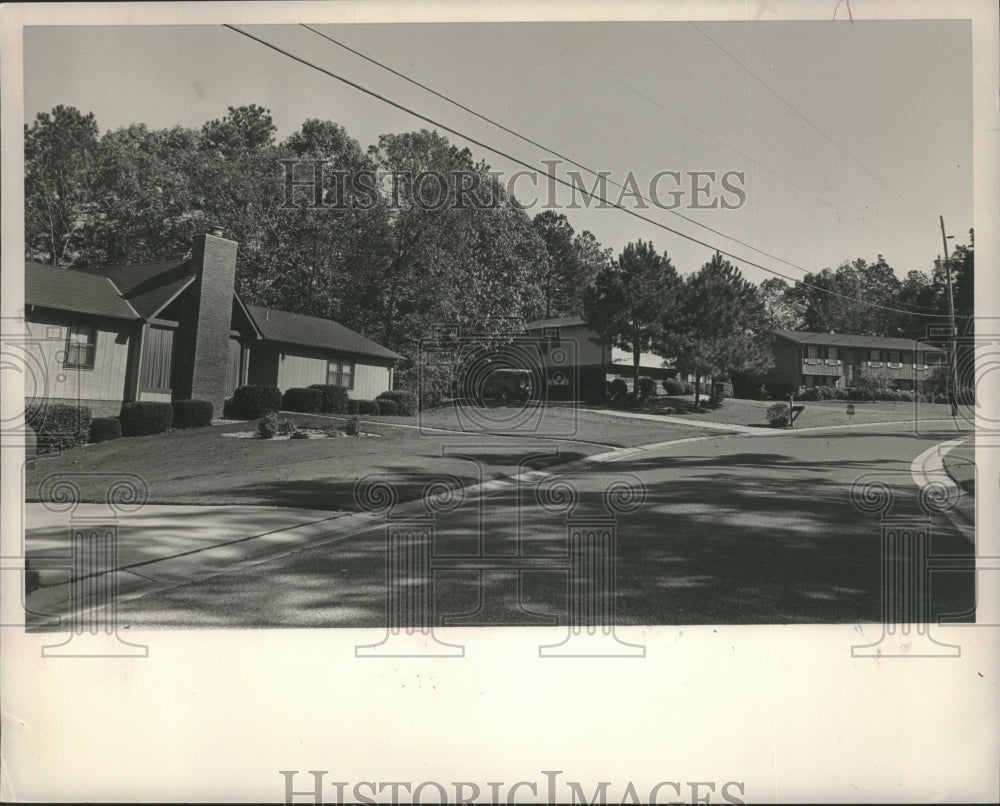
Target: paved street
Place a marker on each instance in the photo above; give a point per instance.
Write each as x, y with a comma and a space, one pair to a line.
734, 530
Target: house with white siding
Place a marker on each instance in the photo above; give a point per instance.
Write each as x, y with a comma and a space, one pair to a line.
176, 330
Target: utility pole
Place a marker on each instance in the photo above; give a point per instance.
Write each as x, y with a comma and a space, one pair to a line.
953, 345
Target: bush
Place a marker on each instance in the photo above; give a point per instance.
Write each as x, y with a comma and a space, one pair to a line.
619, 389
353, 426
647, 387
287, 428
777, 414
58, 425
594, 394
304, 400
267, 426
352, 407
192, 413
334, 398
721, 389
388, 408
299, 435
104, 428
141, 419
251, 402
688, 389
369, 407
407, 402
673, 387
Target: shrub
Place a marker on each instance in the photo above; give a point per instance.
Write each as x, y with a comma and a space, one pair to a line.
777, 414
143, 418
58, 425
251, 402
192, 413
594, 394
104, 428
267, 426
334, 398
352, 407
388, 408
905, 396
722, 389
688, 389
619, 389
369, 407
304, 400
406, 401
673, 387
287, 428
353, 426
647, 387
299, 435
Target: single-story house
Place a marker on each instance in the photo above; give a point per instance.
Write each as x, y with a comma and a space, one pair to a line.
175, 330
837, 359
572, 358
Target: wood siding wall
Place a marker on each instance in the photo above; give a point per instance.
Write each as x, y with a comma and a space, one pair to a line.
49, 330
287, 366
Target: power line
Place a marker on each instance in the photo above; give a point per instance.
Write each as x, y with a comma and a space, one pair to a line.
545, 148
724, 144
822, 133
558, 179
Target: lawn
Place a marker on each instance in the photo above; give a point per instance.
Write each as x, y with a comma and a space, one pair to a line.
738, 411
201, 466
960, 463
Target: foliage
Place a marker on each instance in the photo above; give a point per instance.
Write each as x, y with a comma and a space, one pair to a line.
353, 426
387, 408
267, 426
673, 387
778, 414
305, 400
626, 304
253, 401
192, 413
407, 402
722, 389
619, 389
103, 429
287, 428
369, 407
715, 328
334, 398
573, 263
145, 417
688, 388
58, 426
647, 387
353, 406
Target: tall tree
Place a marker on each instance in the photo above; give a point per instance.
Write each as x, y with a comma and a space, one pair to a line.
716, 329
60, 191
574, 261
781, 310
627, 301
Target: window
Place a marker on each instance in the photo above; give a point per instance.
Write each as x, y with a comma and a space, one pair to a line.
81, 345
894, 359
340, 372
812, 355
875, 358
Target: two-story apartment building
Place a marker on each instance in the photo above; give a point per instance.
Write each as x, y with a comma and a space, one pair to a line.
836, 359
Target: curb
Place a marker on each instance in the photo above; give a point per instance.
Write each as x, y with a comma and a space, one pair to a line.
928, 468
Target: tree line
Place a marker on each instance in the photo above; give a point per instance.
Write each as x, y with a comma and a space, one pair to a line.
397, 269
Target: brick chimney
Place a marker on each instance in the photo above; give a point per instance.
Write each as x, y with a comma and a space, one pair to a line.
214, 259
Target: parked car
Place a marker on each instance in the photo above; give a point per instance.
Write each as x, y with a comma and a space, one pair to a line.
507, 384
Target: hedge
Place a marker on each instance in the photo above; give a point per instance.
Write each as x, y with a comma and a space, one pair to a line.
335, 398
103, 429
58, 425
618, 388
304, 400
407, 402
673, 387
352, 407
252, 402
388, 408
777, 414
647, 387
688, 389
193, 413
141, 419
369, 407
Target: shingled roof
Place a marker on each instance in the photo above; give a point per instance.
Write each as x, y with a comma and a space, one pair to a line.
71, 290
847, 340
149, 286
310, 331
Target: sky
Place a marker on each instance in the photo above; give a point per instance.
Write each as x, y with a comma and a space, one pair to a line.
852, 139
